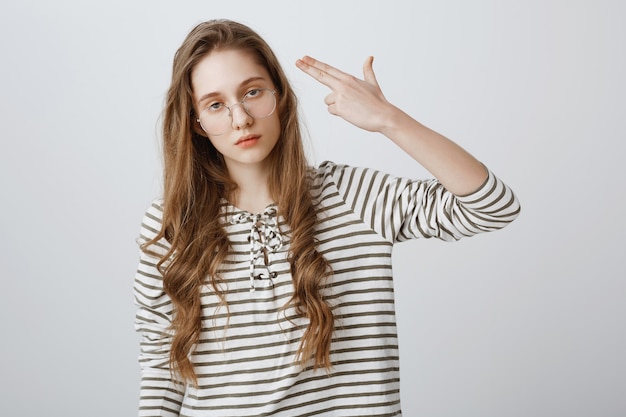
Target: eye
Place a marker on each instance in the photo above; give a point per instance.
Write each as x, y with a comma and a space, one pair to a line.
214, 107
253, 93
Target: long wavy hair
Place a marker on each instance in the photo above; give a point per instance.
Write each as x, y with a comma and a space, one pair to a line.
195, 180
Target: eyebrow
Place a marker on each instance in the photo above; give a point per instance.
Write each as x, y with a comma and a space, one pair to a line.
243, 83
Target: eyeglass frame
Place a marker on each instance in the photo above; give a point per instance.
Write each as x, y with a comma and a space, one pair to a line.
240, 103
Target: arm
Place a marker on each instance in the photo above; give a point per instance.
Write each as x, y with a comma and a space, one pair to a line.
400, 209
362, 103
160, 394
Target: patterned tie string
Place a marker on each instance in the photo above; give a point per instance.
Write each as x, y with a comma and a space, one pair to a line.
264, 237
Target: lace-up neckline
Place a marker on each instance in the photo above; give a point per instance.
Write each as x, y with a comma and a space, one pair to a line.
264, 238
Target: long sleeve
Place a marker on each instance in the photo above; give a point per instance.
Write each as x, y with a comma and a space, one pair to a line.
160, 395
400, 209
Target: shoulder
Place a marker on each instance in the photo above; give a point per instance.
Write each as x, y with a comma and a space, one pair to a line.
329, 171
346, 176
155, 208
326, 174
326, 168
153, 217
152, 223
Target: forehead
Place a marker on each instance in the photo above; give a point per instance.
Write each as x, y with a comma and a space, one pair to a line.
223, 71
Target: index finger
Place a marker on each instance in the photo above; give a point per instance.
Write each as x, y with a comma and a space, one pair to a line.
322, 72
322, 66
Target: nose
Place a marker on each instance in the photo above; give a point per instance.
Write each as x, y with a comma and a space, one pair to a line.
240, 118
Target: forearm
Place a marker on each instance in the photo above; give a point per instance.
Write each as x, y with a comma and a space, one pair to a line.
452, 165
362, 103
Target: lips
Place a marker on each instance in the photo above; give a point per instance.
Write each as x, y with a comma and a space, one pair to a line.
247, 140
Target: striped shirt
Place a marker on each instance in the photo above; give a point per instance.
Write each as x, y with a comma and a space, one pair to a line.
246, 357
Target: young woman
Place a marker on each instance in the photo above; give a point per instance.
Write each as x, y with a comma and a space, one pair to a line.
265, 285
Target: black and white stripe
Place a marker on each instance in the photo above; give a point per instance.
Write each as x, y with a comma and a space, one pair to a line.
245, 359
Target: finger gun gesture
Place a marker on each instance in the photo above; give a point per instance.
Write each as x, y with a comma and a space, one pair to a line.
360, 102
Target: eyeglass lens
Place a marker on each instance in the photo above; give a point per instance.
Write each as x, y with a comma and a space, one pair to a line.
259, 104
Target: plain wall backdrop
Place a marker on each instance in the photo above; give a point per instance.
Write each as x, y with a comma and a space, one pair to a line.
527, 321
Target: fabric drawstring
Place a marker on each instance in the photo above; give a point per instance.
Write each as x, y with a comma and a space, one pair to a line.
264, 237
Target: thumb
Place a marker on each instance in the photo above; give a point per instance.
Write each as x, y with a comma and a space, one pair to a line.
368, 71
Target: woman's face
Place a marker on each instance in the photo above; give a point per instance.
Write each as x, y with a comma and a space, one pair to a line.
225, 78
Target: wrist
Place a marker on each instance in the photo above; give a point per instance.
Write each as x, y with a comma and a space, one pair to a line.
394, 121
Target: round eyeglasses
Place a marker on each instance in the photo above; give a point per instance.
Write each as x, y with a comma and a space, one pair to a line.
216, 118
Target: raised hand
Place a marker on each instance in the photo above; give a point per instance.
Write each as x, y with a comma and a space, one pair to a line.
360, 102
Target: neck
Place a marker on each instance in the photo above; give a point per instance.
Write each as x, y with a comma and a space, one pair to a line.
252, 192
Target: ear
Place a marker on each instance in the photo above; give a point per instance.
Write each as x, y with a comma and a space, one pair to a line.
197, 127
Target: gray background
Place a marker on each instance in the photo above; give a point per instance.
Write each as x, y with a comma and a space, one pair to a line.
529, 321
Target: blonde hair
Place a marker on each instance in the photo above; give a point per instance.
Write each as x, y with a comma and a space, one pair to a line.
195, 179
